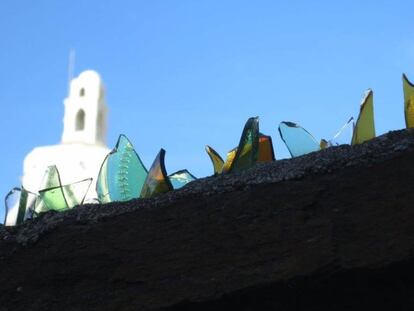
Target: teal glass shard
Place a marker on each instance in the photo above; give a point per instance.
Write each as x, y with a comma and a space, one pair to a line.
297, 139
19, 205
65, 197
122, 174
181, 178
157, 181
248, 150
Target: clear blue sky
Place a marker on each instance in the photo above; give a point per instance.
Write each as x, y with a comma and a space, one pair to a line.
182, 74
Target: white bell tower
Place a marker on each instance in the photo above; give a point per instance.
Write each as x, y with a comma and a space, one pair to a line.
82, 149
85, 110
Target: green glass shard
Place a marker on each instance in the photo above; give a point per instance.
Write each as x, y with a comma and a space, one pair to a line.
365, 128
408, 88
157, 180
297, 139
122, 174
54, 196
52, 199
215, 159
65, 197
181, 178
19, 204
51, 179
266, 153
247, 152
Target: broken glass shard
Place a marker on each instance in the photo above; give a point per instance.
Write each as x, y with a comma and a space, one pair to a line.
248, 150
215, 159
181, 178
364, 129
266, 153
122, 174
19, 204
157, 180
297, 139
408, 88
65, 197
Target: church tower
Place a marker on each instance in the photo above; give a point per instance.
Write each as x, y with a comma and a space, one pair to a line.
85, 111
82, 148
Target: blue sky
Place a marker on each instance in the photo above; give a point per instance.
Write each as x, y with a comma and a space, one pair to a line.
182, 74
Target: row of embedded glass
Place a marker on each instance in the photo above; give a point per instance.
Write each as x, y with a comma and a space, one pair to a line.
123, 176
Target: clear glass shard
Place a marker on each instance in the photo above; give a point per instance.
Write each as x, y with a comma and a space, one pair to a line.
28, 199
12, 201
344, 135
75, 193
181, 178
19, 204
157, 180
122, 174
297, 139
364, 129
215, 159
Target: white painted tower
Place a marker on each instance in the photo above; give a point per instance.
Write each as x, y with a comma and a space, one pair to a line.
82, 150
85, 111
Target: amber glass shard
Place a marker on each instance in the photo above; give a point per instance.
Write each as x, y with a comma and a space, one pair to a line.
122, 173
324, 144
157, 180
365, 128
266, 153
229, 160
297, 139
248, 150
408, 102
181, 178
215, 159
19, 204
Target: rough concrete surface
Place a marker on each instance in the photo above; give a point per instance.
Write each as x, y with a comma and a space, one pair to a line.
332, 230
